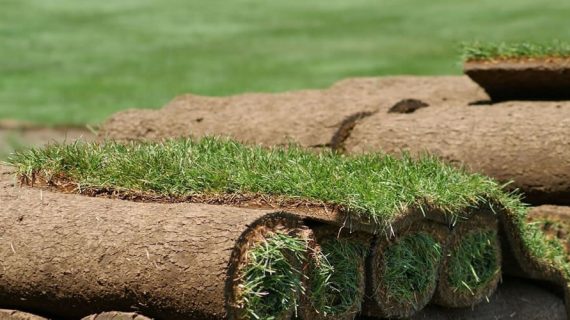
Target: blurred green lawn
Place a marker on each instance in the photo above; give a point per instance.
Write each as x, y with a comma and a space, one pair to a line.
78, 61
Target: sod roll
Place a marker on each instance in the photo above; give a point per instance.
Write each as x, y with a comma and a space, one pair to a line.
336, 279
471, 269
403, 269
6, 314
312, 118
254, 238
72, 256
523, 141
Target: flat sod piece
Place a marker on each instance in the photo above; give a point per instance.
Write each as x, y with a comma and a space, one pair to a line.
520, 71
263, 252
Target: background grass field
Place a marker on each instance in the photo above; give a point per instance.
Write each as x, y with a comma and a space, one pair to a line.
76, 62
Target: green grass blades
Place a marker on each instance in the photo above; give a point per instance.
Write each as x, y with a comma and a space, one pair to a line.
411, 266
375, 186
69, 61
336, 276
474, 262
271, 280
501, 50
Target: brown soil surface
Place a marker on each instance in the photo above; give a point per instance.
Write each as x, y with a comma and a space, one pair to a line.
527, 142
309, 117
522, 80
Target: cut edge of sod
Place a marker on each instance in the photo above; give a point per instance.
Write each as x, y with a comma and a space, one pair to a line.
271, 280
336, 284
403, 269
474, 262
406, 264
375, 187
472, 267
488, 51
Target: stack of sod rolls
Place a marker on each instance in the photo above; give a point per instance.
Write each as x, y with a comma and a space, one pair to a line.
525, 142
214, 229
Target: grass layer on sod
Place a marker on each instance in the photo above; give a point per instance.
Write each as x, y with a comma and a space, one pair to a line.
480, 51
374, 186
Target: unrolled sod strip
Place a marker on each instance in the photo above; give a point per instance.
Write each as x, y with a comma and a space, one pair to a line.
403, 269
72, 256
471, 269
335, 280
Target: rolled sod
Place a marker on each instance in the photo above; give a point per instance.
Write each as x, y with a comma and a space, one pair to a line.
403, 269
521, 141
6, 314
471, 269
72, 256
336, 278
211, 228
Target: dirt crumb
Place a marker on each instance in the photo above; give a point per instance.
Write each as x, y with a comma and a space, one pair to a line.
408, 106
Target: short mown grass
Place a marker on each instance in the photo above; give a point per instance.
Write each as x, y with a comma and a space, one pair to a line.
375, 186
516, 50
77, 62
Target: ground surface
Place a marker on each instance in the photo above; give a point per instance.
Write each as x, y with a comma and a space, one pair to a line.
66, 61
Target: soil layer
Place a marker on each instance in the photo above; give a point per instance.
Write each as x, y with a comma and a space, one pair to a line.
525, 142
538, 79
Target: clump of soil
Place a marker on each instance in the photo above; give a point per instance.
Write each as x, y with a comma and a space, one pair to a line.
408, 106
